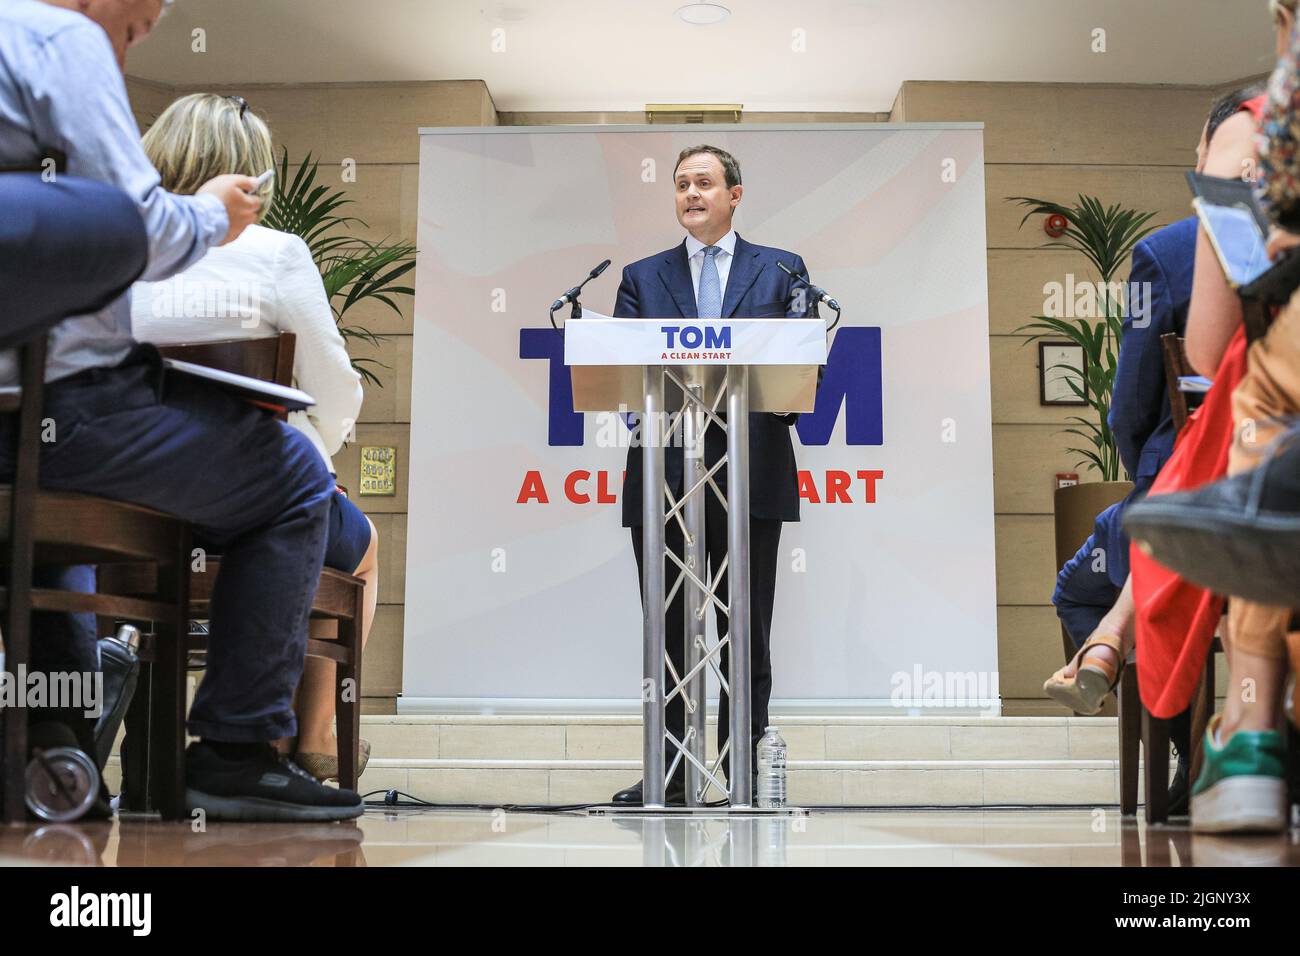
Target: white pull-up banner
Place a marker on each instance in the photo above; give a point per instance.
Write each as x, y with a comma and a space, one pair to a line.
521, 587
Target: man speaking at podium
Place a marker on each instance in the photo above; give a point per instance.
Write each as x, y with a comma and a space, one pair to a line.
716, 274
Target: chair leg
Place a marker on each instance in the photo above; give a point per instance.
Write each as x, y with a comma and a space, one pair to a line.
347, 694
13, 801
167, 699
1130, 735
22, 537
1202, 711
136, 792
1155, 747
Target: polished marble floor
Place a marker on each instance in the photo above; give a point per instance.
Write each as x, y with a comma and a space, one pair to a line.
431, 837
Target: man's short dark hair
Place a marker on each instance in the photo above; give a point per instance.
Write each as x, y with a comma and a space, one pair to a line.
729, 165
1226, 107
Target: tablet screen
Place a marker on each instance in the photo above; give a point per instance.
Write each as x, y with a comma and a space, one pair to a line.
1237, 241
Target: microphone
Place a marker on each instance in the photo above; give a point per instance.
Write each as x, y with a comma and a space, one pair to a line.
818, 293
574, 292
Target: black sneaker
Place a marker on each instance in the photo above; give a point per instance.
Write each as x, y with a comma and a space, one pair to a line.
264, 787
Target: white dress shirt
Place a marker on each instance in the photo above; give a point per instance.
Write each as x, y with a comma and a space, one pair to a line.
263, 283
695, 255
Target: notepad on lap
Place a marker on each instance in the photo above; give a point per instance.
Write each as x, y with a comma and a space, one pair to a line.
1194, 384
253, 389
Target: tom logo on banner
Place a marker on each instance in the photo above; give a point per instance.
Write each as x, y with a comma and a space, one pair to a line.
853, 381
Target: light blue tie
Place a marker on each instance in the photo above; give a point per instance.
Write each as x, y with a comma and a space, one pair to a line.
709, 305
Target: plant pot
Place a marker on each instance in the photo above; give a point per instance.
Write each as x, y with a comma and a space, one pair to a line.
1076, 508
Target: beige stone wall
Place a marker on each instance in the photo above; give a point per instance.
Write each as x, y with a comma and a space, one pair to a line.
1123, 144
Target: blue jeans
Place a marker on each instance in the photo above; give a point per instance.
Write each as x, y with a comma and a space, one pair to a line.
255, 490
1083, 596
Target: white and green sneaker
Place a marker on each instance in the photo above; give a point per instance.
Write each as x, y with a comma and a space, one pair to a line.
1242, 786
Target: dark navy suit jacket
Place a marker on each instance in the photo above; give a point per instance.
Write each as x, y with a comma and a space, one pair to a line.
1139, 418
1139, 411
659, 286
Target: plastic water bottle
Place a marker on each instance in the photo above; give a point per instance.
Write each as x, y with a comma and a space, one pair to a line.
771, 770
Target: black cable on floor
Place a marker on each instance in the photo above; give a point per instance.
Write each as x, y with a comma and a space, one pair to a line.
391, 801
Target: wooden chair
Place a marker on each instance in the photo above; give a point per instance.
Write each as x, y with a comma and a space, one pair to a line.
60, 529
339, 596
1136, 723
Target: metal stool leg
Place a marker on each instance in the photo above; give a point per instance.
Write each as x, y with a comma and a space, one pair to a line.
652, 589
742, 771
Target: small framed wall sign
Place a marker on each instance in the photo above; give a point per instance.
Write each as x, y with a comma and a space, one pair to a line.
378, 470
1059, 363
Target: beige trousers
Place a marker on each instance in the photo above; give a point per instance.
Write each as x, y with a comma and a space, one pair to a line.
1268, 391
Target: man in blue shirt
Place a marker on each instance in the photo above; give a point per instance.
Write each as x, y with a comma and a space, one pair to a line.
254, 488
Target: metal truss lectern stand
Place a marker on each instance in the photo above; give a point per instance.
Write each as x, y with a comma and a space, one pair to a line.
678, 373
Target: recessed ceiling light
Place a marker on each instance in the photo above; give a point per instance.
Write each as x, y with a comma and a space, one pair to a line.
703, 14
504, 13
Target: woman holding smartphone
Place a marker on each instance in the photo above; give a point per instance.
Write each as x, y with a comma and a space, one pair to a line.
264, 283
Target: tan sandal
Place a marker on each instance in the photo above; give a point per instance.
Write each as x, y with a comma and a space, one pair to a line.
326, 766
1095, 676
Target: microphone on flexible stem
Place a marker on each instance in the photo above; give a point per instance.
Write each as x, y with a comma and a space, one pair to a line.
817, 293
572, 295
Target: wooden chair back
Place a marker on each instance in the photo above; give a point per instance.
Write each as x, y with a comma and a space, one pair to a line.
1176, 366
269, 358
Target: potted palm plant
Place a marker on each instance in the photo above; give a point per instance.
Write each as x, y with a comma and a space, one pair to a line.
352, 269
1105, 236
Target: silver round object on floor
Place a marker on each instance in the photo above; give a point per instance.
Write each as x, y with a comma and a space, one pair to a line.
62, 784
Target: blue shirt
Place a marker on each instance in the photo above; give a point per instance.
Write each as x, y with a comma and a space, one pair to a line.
61, 89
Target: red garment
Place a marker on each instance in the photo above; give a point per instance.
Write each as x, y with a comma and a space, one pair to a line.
1176, 620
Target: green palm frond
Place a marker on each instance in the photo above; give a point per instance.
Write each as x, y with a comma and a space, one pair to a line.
352, 269
1105, 236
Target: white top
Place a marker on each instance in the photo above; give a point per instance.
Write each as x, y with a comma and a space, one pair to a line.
260, 285
695, 255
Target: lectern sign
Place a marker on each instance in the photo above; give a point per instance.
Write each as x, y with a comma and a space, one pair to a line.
599, 340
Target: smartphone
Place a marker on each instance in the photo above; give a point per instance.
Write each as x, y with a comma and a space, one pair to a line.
263, 179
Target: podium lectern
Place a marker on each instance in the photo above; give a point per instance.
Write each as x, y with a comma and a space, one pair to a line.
677, 372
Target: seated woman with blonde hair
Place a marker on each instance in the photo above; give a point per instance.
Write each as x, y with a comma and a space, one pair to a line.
262, 284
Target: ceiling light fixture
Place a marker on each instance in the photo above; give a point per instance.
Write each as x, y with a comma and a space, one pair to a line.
504, 13
702, 14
